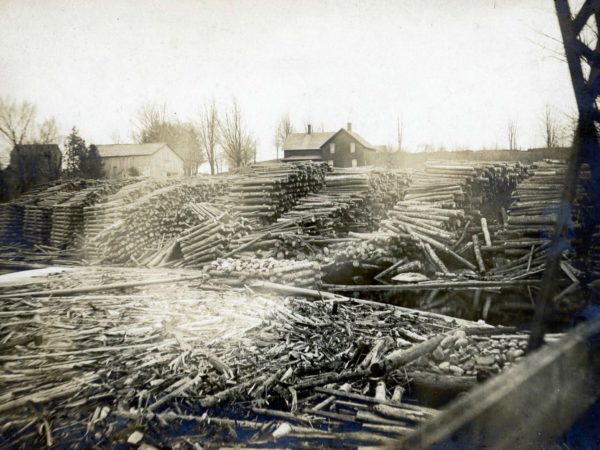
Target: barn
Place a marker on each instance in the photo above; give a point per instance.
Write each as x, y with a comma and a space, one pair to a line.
342, 148
151, 160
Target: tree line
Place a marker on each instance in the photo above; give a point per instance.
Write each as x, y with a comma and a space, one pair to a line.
214, 137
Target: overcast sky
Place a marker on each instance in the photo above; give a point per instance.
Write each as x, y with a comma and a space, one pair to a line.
453, 71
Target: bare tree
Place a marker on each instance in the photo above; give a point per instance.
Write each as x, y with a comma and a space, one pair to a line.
115, 137
148, 117
239, 147
151, 125
16, 120
284, 129
512, 135
208, 133
47, 132
400, 134
551, 128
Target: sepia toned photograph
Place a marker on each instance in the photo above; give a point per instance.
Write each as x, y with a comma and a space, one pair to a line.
299, 224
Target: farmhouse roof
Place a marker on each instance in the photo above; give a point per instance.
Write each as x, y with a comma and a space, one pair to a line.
120, 150
305, 141
314, 141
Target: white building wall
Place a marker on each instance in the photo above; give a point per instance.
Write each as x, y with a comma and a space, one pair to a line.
163, 163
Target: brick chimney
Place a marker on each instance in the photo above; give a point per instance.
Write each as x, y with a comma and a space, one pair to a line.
349, 126
309, 127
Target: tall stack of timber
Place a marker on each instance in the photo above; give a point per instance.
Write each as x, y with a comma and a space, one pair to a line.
464, 185
33, 206
100, 216
37, 218
531, 220
11, 223
352, 191
152, 220
326, 214
68, 216
268, 190
387, 187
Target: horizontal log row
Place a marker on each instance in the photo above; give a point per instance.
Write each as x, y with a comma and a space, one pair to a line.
466, 185
240, 270
265, 191
29, 219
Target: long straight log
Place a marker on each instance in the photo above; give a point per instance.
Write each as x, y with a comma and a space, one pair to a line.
437, 261
403, 357
477, 251
430, 285
106, 287
486, 233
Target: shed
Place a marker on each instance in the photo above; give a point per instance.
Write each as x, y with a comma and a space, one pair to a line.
151, 160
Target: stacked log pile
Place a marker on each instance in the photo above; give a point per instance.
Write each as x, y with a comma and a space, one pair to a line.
152, 220
464, 185
68, 215
432, 228
99, 217
269, 190
242, 270
533, 210
107, 211
212, 238
12, 215
350, 201
521, 246
326, 214
387, 188
11, 223
234, 367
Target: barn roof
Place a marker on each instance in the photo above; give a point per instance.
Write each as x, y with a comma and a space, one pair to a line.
120, 150
314, 141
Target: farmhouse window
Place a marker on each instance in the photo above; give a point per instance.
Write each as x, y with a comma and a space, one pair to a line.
354, 163
332, 148
352, 147
330, 162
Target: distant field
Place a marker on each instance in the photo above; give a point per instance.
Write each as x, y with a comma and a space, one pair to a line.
416, 160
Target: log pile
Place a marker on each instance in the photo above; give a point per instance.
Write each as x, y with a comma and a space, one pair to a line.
330, 214
152, 220
268, 190
350, 201
11, 223
241, 270
387, 188
532, 213
68, 215
212, 238
158, 366
468, 186
100, 216
38, 209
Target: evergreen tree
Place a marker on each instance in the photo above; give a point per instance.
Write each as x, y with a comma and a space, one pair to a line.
91, 166
76, 153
